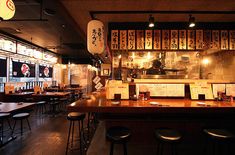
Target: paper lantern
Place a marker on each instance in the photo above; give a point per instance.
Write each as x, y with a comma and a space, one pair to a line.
7, 9
95, 37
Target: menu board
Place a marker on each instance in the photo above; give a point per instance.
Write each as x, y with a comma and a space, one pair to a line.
23, 69
117, 87
3, 69
201, 88
230, 90
218, 88
163, 90
45, 71
7, 45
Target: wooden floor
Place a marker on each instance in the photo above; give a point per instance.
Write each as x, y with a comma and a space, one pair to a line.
49, 137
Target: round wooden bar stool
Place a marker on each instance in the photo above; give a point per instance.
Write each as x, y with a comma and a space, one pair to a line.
167, 136
21, 117
219, 138
73, 117
118, 135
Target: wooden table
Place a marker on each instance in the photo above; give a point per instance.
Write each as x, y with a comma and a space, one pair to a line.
17, 97
9, 107
65, 89
52, 94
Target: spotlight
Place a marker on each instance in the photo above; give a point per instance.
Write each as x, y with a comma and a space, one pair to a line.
191, 21
151, 21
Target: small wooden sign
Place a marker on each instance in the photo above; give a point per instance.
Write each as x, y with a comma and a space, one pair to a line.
131, 39
165, 39
140, 39
199, 39
114, 39
174, 39
224, 39
191, 39
215, 39
232, 39
182, 39
148, 39
157, 39
123, 39
207, 39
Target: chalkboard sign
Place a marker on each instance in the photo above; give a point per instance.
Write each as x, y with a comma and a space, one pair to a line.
21, 69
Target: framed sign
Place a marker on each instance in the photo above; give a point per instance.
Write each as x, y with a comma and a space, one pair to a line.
215, 39
232, 39
207, 39
157, 39
165, 39
45, 71
191, 39
105, 72
199, 39
123, 39
140, 39
174, 39
148, 39
182, 39
131, 39
114, 39
21, 69
224, 39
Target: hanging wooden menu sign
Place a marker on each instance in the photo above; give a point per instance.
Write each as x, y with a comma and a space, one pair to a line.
215, 39
232, 40
224, 40
182, 39
191, 39
123, 39
207, 39
174, 39
165, 39
114, 39
140, 39
131, 39
157, 40
199, 39
148, 39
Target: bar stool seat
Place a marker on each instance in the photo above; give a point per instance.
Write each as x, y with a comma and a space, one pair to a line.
219, 134
167, 136
118, 135
220, 140
76, 116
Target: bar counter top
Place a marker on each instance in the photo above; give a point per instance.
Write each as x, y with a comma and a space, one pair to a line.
98, 103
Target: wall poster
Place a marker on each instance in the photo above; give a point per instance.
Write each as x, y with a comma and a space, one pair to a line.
123, 39
182, 39
131, 39
165, 39
114, 39
174, 39
157, 39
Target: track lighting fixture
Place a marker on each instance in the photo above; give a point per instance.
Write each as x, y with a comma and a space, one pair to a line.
191, 21
151, 21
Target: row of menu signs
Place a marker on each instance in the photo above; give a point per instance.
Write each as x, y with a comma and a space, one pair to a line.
211, 90
24, 49
172, 39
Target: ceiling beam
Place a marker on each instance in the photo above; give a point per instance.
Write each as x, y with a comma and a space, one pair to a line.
93, 13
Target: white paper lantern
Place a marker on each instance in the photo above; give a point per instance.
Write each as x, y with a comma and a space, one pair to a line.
7, 9
95, 37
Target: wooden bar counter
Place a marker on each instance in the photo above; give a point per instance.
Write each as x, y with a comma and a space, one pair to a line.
187, 116
98, 103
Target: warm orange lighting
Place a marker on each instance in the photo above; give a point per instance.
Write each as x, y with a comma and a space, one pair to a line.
205, 61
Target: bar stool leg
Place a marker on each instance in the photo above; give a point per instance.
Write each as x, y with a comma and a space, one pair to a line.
80, 136
9, 124
72, 133
28, 124
70, 125
111, 148
124, 148
21, 127
1, 132
13, 128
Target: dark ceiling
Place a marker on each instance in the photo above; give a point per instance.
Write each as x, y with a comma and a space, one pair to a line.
65, 31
